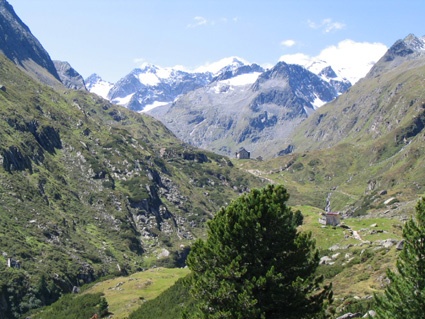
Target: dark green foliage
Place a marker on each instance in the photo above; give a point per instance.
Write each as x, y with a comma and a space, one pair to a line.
171, 304
297, 218
103, 307
255, 264
358, 306
75, 307
404, 297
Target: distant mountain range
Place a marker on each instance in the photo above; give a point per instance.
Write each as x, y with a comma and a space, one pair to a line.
228, 105
250, 109
150, 86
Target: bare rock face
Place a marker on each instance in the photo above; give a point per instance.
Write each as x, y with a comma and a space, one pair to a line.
69, 76
19, 45
411, 48
259, 115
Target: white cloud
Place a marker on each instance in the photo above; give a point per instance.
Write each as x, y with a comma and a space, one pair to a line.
327, 25
139, 61
197, 22
297, 58
350, 59
288, 43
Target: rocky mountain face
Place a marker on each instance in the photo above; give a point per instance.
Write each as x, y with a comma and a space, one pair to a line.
410, 49
20, 46
366, 147
69, 76
150, 85
368, 110
245, 108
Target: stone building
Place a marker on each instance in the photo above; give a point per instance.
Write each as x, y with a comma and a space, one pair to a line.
330, 219
243, 154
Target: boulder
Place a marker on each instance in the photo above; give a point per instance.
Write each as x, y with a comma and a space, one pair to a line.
350, 315
400, 245
370, 314
325, 260
390, 201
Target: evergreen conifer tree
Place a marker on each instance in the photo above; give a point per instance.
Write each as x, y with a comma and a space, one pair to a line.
404, 297
255, 264
103, 307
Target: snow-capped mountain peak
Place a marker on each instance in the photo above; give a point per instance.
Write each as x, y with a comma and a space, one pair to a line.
95, 84
149, 74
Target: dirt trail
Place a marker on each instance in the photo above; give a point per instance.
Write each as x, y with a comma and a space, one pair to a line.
258, 173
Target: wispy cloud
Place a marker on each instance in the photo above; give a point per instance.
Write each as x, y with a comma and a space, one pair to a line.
326, 25
197, 22
288, 43
200, 21
139, 60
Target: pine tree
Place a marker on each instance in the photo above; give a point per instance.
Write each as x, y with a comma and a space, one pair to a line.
404, 297
255, 264
103, 307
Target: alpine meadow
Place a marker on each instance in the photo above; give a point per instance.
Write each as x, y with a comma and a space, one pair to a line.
237, 190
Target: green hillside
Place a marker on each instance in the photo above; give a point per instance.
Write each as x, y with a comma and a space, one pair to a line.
90, 189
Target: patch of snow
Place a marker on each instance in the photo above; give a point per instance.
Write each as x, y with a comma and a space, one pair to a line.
148, 78
243, 79
164, 73
318, 103
102, 89
316, 66
153, 105
123, 100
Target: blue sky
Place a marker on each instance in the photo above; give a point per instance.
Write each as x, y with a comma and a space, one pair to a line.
111, 37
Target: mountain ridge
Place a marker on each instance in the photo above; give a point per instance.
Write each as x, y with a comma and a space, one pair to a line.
22, 47
258, 115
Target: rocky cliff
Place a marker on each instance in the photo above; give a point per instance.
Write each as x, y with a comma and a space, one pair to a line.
20, 46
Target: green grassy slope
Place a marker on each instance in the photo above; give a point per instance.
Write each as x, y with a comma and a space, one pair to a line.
88, 188
361, 150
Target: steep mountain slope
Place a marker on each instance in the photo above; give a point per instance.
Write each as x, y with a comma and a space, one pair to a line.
69, 76
411, 48
21, 47
366, 147
388, 98
89, 188
254, 110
